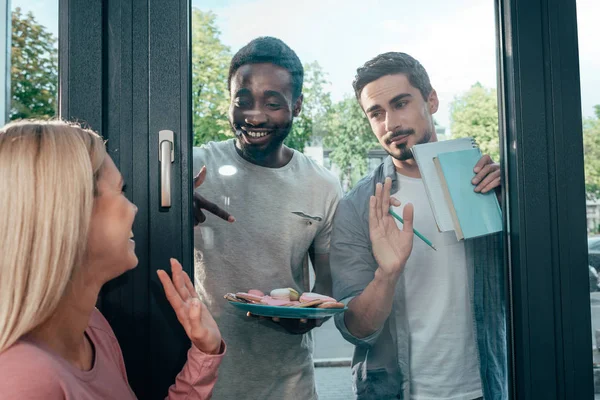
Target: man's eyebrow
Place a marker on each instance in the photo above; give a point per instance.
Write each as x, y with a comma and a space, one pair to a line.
372, 108
400, 97
392, 101
273, 93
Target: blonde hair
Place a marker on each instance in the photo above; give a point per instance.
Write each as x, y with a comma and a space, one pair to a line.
48, 173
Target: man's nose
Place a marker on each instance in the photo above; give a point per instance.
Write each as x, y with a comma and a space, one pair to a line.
392, 122
255, 117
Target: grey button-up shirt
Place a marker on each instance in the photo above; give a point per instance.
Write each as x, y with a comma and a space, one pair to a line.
380, 366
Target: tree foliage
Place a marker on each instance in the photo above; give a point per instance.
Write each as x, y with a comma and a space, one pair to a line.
350, 138
475, 114
34, 69
310, 126
591, 153
210, 66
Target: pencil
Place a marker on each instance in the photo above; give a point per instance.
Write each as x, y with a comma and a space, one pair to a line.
423, 238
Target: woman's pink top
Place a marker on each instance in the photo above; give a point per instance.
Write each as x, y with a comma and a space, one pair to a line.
30, 371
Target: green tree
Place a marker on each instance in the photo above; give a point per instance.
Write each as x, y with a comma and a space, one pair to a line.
475, 114
591, 154
210, 66
350, 138
310, 125
34, 69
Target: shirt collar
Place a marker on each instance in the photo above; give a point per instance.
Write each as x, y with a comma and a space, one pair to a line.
389, 171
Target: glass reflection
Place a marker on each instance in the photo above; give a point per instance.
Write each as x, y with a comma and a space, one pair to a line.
283, 196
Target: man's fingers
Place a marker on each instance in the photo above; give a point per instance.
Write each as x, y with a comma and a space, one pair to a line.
395, 202
385, 206
373, 221
201, 203
492, 185
249, 314
197, 201
485, 159
407, 216
199, 216
482, 174
216, 210
199, 179
491, 177
378, 190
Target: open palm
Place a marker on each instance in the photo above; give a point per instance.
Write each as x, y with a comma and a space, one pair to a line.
192, 314
391, 245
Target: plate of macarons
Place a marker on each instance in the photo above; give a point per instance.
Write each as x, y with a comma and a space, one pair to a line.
286, 303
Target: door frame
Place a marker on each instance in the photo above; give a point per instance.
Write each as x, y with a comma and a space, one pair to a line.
125, 71
544, 190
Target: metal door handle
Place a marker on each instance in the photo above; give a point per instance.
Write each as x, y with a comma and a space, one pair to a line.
166, 156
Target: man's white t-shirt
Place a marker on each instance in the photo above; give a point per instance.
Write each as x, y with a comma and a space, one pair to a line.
280, 213
444, 362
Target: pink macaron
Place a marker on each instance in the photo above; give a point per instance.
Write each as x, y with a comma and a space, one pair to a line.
269, 301
308, 296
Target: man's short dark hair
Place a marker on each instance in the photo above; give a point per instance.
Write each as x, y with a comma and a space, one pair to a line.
390, 64
270, 50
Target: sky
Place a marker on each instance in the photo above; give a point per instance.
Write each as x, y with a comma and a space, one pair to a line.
453, 39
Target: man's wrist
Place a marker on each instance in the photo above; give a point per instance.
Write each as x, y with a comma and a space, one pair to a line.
386, 277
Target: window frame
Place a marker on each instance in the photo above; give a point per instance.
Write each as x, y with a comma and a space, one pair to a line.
544, 196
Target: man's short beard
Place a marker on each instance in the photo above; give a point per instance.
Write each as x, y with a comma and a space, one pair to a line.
405, 152
253, 153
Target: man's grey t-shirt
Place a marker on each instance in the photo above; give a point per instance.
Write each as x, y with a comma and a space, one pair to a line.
279, 213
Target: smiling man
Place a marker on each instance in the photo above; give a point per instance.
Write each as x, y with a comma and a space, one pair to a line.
427, 325
283, 204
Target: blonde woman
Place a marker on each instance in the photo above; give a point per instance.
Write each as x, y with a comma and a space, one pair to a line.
66, 230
